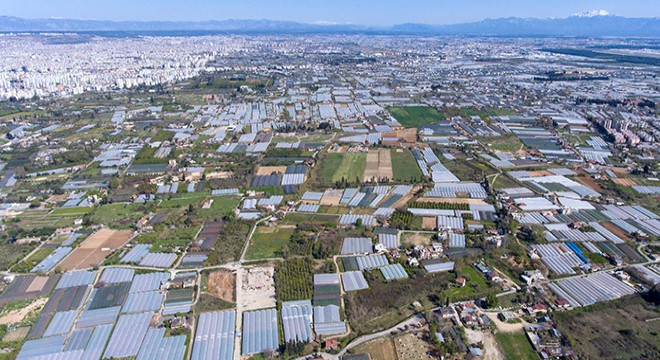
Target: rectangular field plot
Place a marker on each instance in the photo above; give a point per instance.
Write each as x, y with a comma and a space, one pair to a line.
415, 116
91, 252
351, 167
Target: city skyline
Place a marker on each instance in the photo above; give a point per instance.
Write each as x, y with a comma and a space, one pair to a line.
370, 13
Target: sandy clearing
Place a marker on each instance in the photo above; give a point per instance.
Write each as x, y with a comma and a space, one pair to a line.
491, 349
505, 327
19, 314
257, 288
417, 239
332, 197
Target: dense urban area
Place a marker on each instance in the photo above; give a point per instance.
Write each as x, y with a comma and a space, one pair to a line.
329, 196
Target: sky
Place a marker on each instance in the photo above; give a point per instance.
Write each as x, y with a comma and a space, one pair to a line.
363, 12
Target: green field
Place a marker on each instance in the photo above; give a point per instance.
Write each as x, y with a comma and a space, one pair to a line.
222, 205
71, 211
626, 328
351, 167
118, 216
268, 243
33, 260
475, 286
415, 116
318, 219
506, 143
501, 181
329, 165
472, 170
516, 346
404, 166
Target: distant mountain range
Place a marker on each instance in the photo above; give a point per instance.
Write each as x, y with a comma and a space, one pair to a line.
588, 24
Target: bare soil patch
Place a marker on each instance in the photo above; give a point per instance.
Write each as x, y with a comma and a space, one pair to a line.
491, 350
379, 165
429, 223
417, 239
268, 170
624, 182
37, 283
18, 315
379, 349
222, 284
615, 230
331, 197
257, 288
90, 252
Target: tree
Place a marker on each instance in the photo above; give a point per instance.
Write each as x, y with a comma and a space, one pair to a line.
491, 301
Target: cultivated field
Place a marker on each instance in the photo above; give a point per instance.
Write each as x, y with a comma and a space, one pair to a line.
351, 167
404, 166
415, 116
516, 346
269, 242
90, 253
379, 165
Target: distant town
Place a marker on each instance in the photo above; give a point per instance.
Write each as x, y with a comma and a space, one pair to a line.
329, 196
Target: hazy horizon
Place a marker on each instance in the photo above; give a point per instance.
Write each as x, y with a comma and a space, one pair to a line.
368, 12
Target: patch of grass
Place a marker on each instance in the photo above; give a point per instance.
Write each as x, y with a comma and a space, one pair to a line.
72, 211
379, 349
502, 181
476, 285
222, 205
10, 254
404, 166
596, 258
118, 216
472, 170
232, 239
207, 302
385, 304
415, 116
612, 329
319, 219
351, 167
507, 142
516, 346
268, 243
328, 167
33, 260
